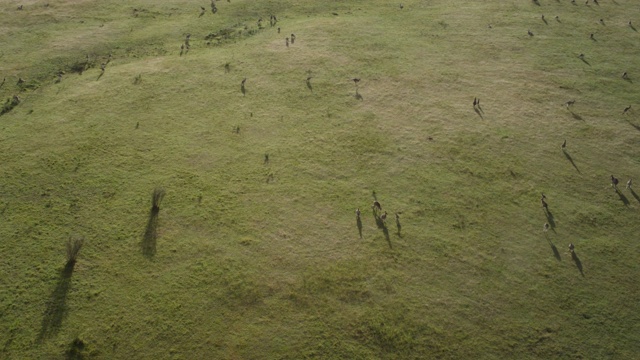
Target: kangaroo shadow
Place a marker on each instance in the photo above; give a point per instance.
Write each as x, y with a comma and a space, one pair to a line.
550, 219
623, 198
566, 154
637, 127
576, 116
634, 195
56, 309
576, 259
243, 90
150, 234
586, 62
309, 86
381, 225
545, 21
479, 113
556, 253
386, 236
359, 223
399, 226
358, 96
634, 28
99, 76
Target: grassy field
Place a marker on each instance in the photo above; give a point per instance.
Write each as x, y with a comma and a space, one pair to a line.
256, 259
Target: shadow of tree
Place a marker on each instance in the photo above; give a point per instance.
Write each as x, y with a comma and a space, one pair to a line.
57, 304
150, 234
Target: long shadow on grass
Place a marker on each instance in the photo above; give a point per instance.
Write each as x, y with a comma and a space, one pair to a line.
150, 234
550, 219
566, 154
623, 198
57, 305
556, 253
381, 225
576, 259
479, 113
576, 116
359, 223
634, 125
399, 226
635, 195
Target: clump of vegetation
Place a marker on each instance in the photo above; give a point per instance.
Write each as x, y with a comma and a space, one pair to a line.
76, 349
156, 199
80, 66
73, 248
10, 104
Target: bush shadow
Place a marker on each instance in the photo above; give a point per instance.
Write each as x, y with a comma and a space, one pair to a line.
150, 234
57, 304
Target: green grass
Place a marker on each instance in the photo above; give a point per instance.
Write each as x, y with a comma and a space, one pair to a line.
254, 260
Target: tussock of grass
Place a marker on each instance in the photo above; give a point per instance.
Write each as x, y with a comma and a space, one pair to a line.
73, 249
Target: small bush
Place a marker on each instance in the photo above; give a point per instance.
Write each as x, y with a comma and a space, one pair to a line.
9, 105
156, 199
73, 248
